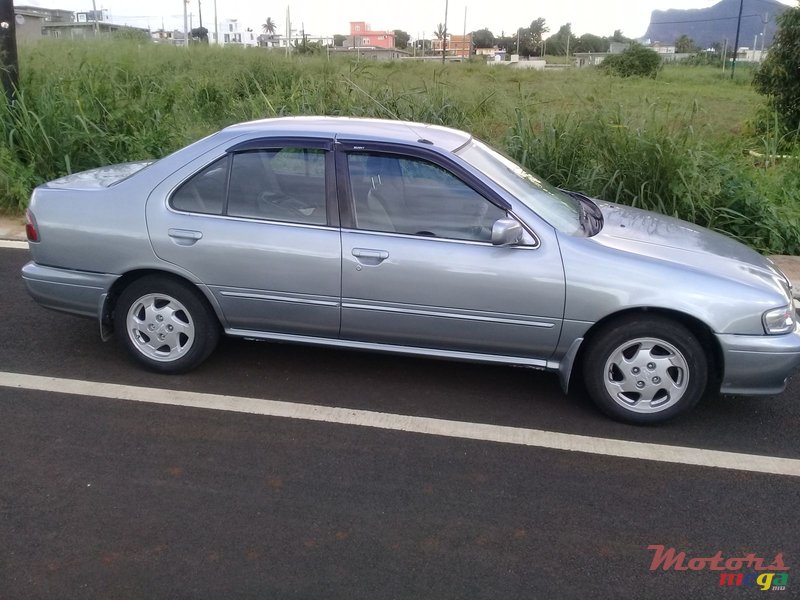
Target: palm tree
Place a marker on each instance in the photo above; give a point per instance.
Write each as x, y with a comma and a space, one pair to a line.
269, 27
441, 34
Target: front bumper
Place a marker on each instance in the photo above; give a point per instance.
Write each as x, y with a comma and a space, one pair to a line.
74, 292
759, 364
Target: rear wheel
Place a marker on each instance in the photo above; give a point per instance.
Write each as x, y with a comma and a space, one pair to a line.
645, 369
165, 324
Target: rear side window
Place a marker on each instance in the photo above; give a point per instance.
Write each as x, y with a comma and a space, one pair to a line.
285, 184
205, 192
276, 184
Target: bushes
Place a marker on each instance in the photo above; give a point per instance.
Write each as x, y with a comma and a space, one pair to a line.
779, 76
651, 165
635, 61
640, 142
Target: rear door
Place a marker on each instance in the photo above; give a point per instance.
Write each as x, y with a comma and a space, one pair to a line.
419, 268
258, 226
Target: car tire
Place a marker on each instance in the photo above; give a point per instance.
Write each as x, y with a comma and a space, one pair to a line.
165, 324
645, 369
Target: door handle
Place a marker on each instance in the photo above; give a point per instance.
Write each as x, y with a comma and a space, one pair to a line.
367, 253
370, 256
184, 237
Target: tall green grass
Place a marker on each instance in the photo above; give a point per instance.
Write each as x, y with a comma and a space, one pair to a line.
677, 144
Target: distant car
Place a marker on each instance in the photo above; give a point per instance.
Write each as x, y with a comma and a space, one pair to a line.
411, 239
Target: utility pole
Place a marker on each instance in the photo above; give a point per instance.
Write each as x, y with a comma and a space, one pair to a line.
9, 73
200, 14
216, 24
94, 14
186, 23
467, 49
288, 30
444, 33
724, 54
736, 44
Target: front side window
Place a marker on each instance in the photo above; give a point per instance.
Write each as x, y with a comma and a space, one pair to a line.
398, 194
556, 207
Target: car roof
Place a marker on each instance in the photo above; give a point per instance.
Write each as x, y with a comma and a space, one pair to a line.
346, 128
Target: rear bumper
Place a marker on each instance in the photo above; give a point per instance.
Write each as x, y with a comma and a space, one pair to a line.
75, 292
759, 365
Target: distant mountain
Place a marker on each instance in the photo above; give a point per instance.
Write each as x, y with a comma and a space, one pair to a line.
716, 23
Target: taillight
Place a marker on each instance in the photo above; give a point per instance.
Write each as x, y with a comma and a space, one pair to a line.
30, 227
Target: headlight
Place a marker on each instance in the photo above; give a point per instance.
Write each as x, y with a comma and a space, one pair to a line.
779, 320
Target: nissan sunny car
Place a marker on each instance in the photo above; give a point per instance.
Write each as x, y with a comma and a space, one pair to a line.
410, 239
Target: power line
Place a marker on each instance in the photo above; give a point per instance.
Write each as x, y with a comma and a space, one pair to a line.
700, 20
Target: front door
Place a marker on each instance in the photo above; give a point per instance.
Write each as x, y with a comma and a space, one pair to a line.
419, 268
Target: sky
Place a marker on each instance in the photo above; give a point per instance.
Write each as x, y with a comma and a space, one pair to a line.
417, 17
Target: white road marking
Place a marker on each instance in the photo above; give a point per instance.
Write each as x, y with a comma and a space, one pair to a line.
424, 425
13, 244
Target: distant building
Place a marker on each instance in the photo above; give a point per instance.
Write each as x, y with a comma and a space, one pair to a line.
663, 48
34, 23
361, 36
273, 41
380, 54
748, 55
230, 34
162, 36
87, 29
31, 19
590, 59
593, 59
490, 52
457, 45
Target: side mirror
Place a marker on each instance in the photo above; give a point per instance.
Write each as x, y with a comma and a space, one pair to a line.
506, 232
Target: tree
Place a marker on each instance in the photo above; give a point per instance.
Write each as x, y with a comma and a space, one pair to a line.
635, 61
338, 40
561, 41
401, 39
199, 34
685, 45
441, 34
779, 75
269, 27
307, 47
528, 40
483, 38
536, 33
618, 37
591, 43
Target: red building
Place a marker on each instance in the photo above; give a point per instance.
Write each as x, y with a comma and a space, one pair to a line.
362, 36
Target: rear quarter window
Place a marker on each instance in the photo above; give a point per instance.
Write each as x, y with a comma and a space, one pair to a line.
204, 192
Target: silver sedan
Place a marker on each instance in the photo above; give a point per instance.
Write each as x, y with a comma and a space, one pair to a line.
411, 239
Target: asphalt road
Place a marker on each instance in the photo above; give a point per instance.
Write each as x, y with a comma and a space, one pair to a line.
103, 498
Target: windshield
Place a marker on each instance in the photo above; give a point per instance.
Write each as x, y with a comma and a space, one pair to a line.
558, 208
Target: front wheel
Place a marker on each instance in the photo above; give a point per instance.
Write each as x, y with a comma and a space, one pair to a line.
645, 369
165, 325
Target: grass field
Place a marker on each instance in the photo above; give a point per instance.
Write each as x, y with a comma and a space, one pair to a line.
678, 144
